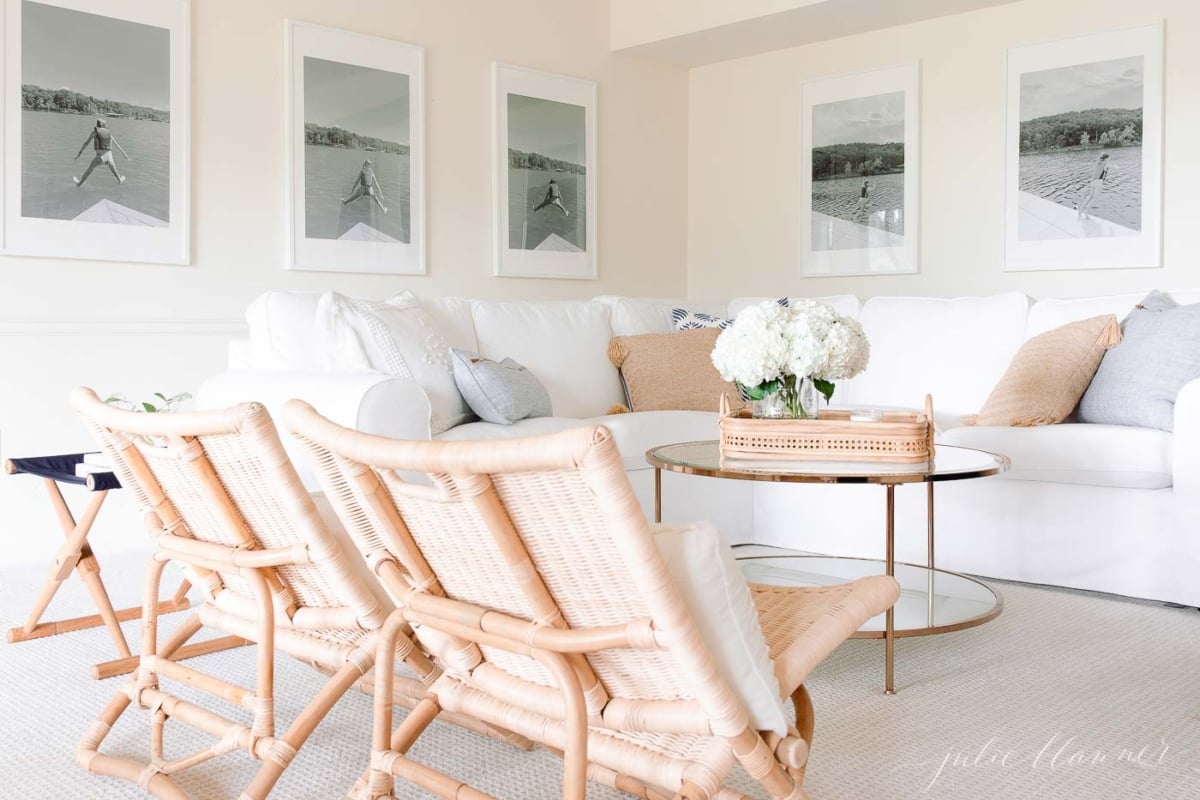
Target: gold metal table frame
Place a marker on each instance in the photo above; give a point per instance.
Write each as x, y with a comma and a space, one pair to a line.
949, 464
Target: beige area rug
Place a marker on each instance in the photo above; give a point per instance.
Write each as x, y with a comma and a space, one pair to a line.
1065, 695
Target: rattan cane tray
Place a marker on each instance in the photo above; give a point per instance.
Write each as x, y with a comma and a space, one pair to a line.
900, 437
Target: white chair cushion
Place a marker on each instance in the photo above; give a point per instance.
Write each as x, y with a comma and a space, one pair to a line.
705, 573
565, 344
1092, 455
955, 350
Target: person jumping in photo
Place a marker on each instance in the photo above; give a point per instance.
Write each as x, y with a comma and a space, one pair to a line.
864, 196
102, 140
553, 198
366, 184
1099, 176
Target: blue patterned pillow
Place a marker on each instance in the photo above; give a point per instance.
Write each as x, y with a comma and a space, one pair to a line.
691, 320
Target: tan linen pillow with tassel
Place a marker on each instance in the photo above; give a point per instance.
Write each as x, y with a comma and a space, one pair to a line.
1049, 374
670, 371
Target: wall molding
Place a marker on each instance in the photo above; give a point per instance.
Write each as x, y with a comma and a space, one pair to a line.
138, 327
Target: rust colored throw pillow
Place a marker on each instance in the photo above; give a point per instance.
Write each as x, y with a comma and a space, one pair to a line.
1049, 374
670, 371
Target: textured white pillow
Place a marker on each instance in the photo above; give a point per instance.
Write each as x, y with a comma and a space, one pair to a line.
398, 337
705, 573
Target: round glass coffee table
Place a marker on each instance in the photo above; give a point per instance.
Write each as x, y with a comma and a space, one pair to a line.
931, 600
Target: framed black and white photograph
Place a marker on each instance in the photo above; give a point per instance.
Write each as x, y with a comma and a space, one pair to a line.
544, 132
859, 189
96, 129
1084, 153
355, 142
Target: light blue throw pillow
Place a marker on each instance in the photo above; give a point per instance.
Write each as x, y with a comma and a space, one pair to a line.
1139, 379
502, 392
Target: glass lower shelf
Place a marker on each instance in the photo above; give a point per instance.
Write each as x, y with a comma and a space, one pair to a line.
931, 601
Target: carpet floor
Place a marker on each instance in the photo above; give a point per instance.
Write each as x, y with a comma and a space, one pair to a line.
1065, 695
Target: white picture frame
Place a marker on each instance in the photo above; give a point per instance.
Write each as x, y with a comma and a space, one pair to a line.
380, 231
860, 218
139, 86
1120, 190
550, 245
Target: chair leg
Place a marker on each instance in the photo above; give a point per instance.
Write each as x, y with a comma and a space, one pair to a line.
804, 724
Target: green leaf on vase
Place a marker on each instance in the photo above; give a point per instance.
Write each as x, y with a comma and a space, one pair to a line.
824, 387
762, 390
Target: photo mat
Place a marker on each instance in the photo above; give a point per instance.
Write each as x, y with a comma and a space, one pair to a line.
96, 129
1085, 152
544, 140
859, 159
355, 138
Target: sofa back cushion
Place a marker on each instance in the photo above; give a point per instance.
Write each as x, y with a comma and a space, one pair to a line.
1048, 314
284, 334
634, 316
845, 304
954, 349
564, 344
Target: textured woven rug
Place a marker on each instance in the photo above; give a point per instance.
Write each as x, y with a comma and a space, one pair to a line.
1065, 695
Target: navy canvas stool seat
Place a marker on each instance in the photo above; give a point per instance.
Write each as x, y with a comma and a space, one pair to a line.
75, 555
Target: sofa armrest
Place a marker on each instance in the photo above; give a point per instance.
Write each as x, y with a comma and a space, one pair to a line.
1186, 440
371, 402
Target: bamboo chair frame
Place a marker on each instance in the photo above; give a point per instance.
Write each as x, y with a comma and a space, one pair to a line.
189, 472
656, 740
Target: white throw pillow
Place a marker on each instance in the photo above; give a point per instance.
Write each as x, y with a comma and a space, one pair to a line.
398, 337
705, 573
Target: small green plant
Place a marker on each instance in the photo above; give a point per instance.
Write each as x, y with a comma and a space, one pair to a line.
161, 405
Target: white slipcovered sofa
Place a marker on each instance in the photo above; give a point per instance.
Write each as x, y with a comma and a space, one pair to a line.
1100, 507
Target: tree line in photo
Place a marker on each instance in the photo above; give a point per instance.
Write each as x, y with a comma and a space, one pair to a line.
857, 158
519, 159
65, 101
1095, 127
340, 137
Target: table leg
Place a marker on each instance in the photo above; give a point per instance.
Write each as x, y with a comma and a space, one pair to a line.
889, 642
929, 588
657, 494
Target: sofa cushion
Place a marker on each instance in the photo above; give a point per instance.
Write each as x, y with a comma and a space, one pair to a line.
1047, 314
452, 315
845, 304
284, 334
399, 338
502, 392
637, 432
704, 571
1093, 455
633, 316
670, 371
489, 431
955, 350
565, 344
1049, 374
1137, 382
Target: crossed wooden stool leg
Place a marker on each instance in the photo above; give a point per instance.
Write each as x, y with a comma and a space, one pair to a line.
75, 555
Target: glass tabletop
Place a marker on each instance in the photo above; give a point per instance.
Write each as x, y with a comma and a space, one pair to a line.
931, 601
704, 458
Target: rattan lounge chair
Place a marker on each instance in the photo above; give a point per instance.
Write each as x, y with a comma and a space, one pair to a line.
555, 616
221, 498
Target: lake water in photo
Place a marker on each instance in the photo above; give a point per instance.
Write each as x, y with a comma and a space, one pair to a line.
49, 142
1062, 176
838, 197
528, 228
331, 173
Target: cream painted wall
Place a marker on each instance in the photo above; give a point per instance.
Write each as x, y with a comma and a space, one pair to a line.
142, 328
635, 22
743, 215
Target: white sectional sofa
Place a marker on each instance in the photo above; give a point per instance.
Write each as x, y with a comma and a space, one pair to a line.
1097, 507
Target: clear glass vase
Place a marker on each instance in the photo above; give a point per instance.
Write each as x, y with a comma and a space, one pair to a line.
796, 398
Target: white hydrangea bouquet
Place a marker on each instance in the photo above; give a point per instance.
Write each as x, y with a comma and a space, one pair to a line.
774, 353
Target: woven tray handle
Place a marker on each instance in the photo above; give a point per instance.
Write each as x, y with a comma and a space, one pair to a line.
929, 426
724, 406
